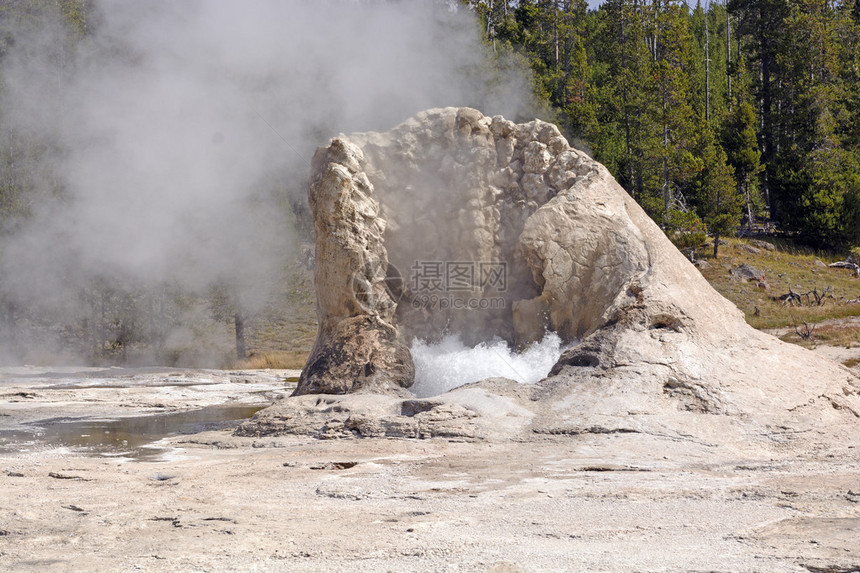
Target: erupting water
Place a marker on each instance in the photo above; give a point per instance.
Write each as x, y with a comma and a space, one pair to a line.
449, 363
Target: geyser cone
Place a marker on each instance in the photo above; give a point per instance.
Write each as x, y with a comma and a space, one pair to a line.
451, 190
418, 235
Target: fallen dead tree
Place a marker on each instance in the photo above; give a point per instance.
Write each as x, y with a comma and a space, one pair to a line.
806, 333
792, 298
847, 264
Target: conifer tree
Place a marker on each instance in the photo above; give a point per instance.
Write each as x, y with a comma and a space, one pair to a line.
672, 116
624, 95
779, 81
718, 200
761, 22
740, 141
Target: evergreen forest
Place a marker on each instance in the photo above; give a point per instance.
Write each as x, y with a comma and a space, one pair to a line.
730, 117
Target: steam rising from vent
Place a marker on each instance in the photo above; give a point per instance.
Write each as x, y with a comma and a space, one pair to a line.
449, 363
166, 145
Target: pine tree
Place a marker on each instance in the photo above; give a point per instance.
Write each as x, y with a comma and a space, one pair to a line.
579, 105
623, 96
671, 113
815, 174
740, 141
709, 77
761, 23
718, 201
778, 80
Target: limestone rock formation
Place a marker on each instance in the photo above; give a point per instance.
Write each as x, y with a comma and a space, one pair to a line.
545, 231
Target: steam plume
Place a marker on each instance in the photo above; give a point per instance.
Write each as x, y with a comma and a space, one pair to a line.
164, 143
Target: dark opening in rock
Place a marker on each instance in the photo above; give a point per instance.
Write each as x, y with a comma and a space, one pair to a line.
585, 360
411, 407
666, 321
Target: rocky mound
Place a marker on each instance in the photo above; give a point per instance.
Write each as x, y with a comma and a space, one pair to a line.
548, 234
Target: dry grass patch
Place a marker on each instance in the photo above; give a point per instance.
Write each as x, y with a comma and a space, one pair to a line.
279, 360
846, 335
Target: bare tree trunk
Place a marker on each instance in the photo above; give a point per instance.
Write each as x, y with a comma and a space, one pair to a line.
744, 189
707, 68
490, 32
767, 66
239, 323
555, 30
666, 189
624, 97
728, 57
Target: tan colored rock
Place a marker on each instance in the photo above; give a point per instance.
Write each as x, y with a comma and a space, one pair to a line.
535, 188
656, 349
436, 206
584, 252
532, 319
536, 157
357, 346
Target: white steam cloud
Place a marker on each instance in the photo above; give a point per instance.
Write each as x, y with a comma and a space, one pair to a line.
174, 133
